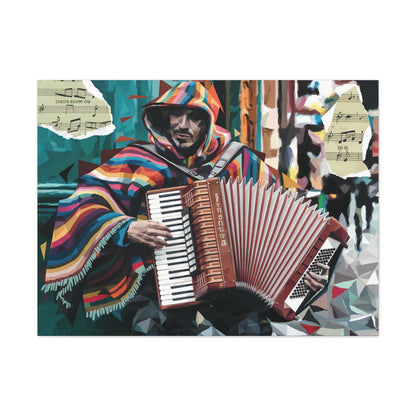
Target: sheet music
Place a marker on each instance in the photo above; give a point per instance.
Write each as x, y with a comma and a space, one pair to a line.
348, 134
73, 109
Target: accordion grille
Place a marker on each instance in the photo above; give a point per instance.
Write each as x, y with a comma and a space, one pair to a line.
271, 232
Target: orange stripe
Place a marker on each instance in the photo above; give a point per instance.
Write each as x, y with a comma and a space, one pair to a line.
119, 288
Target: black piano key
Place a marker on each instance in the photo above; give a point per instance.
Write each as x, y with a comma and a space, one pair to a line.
184, 296
178, 289
167, 210
163, 195
179, 270
179, 286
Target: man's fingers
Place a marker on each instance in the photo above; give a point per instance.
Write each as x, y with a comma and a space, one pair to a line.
312, 281
157, 229
153, 242
159, 233
323, 266
158, 225
309, 285
324, 275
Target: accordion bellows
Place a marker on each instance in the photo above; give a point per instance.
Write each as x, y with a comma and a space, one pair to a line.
239, 235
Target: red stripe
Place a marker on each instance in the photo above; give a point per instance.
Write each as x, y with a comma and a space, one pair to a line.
137, 265
95, 298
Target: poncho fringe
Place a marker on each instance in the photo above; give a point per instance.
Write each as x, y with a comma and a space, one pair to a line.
97, 313
70, 282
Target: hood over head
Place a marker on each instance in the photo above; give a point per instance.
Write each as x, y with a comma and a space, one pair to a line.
189, 95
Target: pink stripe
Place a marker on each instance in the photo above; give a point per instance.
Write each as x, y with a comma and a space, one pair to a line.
245, 166
68, 208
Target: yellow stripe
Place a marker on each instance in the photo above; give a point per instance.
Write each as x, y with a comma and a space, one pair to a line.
83, 253
105, 195
64, 229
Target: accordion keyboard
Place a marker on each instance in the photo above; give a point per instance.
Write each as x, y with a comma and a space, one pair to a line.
301, 291
176, 261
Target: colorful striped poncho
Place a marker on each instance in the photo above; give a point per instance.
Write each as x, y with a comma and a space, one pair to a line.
89, 252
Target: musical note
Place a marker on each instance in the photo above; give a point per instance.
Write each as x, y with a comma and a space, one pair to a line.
81, 93
339, 116
347, 136
95, 110
345, 156
74, 125
41, 108
55, 123
67, 93
329, 136
353, 97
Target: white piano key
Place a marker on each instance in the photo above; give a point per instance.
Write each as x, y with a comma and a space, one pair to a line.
177, 259
160, 261
157, 209
177, 296
163, 274
168, 285
165, 210
178, 289
178, 234
178, 301
158, 204
164, 217
172, 267
162, 283
177, 222
163, 195
170, 249
174, 241
171, 255
175, 228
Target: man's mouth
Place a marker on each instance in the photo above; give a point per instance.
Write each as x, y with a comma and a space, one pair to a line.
182, 135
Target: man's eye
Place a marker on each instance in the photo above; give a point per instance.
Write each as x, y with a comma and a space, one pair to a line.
194, 116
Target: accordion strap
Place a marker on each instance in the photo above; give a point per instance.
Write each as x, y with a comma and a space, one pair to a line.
227, 156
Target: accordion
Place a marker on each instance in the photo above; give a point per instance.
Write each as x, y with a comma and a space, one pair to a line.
233, 238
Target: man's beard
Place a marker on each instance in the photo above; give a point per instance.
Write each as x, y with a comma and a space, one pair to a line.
186, 151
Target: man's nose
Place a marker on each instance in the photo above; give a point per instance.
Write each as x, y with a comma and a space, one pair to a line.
183, 121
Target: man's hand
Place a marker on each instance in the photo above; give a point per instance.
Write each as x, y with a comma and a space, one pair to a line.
149, 232
316, 281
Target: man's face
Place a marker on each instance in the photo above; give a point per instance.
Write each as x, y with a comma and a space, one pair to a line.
186, 127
